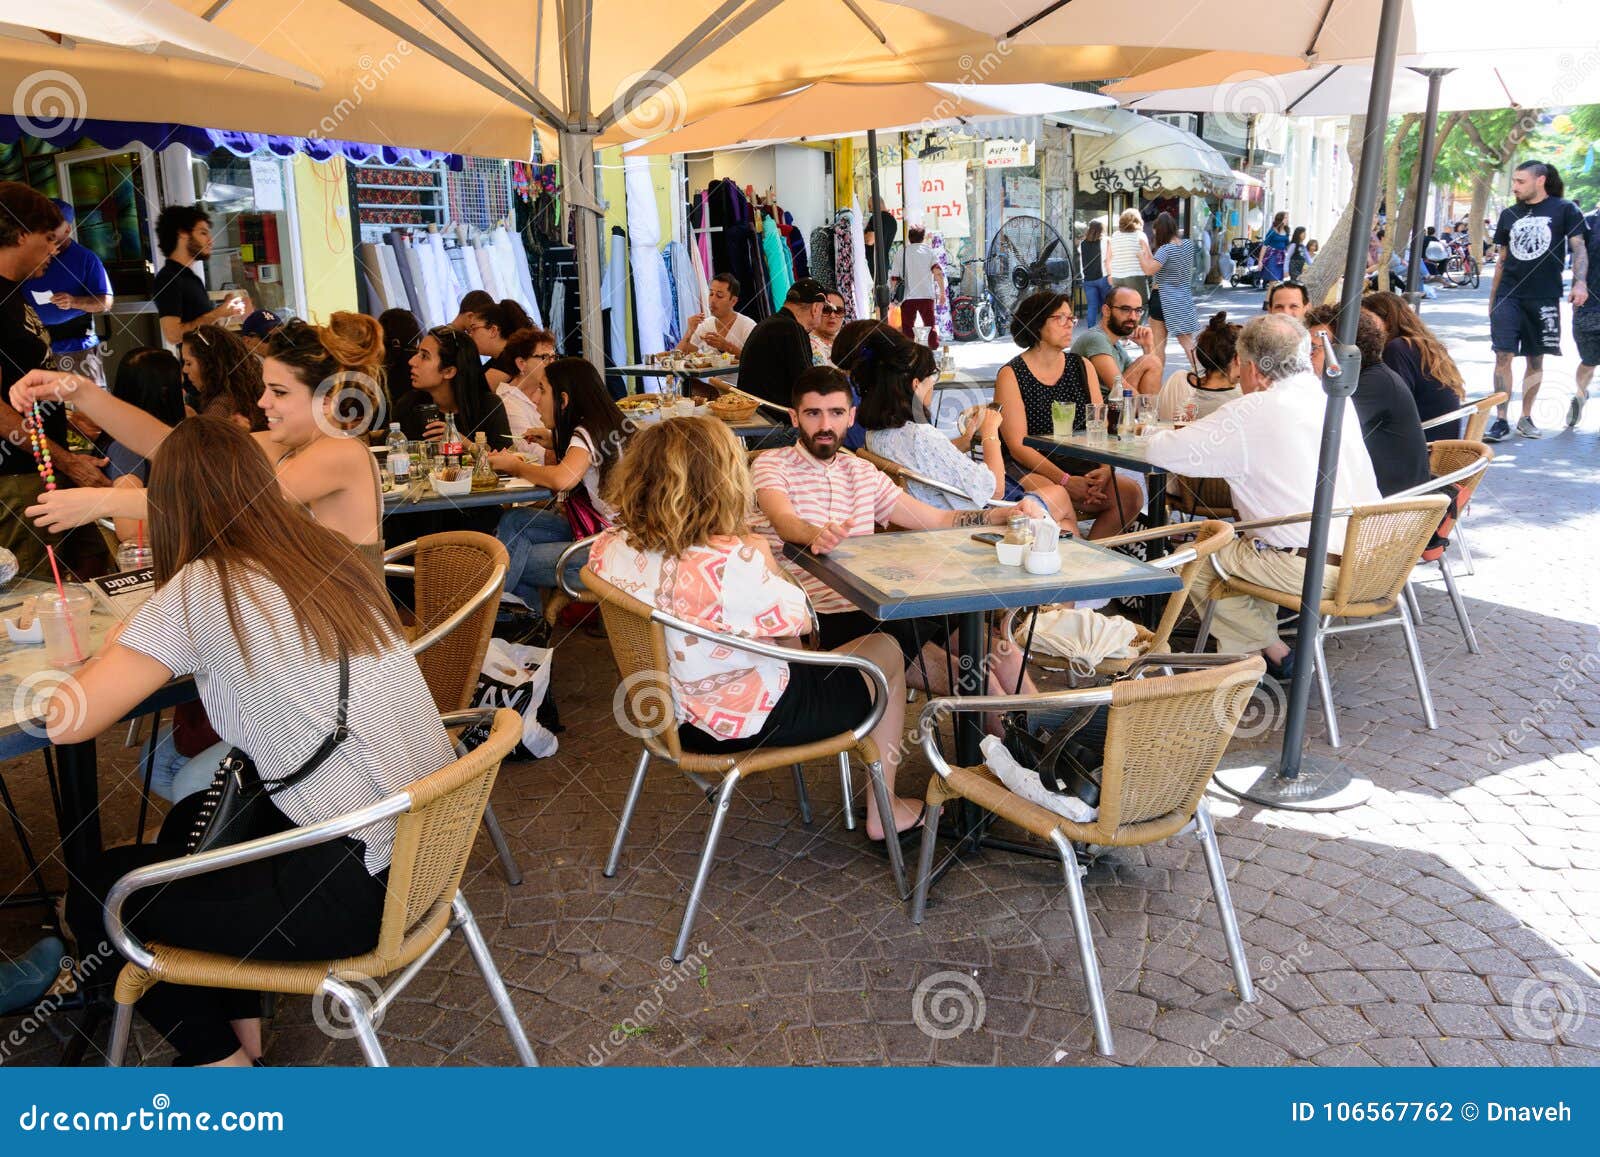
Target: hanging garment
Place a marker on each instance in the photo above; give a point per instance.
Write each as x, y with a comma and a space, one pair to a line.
503, 249
941, 301
822, 257
844, 264
776, 254
865, 306
416, 284
379, 293
651, 306
669, 294
796, 242
463, 269
519, 258
703, 238
485, 262
686, 286
442, 283
614, 297
558, 313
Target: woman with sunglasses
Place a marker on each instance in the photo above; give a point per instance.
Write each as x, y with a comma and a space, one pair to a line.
490, 327
448, 379
322, 389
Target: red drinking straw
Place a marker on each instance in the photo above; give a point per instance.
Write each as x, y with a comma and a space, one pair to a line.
140, 543
77, 651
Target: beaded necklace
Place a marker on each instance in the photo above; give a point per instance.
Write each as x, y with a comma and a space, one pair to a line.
34, 424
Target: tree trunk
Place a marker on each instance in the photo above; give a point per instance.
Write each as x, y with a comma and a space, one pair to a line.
1322, 279
1398, 227
1480, 205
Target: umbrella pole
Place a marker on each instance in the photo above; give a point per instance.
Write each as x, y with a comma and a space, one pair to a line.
1317, 783
880, 255
1430, 128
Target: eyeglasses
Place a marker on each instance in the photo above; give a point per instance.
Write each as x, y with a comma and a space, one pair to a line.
446, 336
1127, 309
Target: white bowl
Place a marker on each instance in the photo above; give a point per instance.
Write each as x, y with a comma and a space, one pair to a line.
1010, 553
462, 485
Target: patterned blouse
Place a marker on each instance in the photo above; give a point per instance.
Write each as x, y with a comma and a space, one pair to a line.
725, 585
922, 448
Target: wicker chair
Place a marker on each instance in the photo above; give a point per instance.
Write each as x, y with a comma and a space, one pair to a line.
1200, 497
1477, 414
1460, 463
1382, 544
436, 821
637, 634
1164, 737
1479, 422
457, 580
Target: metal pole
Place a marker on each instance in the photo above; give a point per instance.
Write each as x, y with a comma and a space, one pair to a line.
1328, 784
1430, 129
880, 250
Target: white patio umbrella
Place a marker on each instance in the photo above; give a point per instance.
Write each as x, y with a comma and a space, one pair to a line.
153, 27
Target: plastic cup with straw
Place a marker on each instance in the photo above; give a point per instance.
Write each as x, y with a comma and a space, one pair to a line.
66, 610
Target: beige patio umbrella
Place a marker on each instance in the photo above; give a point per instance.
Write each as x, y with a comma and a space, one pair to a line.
155, 28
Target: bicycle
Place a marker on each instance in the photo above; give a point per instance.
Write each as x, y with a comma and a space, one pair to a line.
1461, 269
974, 316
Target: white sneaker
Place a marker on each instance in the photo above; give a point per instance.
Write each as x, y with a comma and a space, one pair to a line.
1575, 411
1527, 429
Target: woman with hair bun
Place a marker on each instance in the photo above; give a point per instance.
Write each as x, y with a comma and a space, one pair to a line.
323, 390
1215, 378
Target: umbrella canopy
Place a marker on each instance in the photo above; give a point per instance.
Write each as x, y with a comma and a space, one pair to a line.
153, 27
832, 109
1323, 32
1241, 89
1149, 156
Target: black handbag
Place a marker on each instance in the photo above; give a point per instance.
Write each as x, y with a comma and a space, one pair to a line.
1068, 760
238, 805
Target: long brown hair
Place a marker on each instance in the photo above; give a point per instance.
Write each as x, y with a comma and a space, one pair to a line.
682, 482
214, 497
1401, 321
232, 375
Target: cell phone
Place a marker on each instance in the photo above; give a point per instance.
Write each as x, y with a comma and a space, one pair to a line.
989, 538
995, 406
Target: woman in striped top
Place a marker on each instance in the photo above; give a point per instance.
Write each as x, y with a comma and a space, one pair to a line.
257, 602
1130, 253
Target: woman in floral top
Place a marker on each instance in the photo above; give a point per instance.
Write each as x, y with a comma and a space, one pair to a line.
682, 545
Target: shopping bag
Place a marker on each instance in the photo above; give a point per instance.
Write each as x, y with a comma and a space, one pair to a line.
517, 677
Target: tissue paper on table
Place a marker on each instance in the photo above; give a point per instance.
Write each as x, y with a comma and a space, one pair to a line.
1025, 782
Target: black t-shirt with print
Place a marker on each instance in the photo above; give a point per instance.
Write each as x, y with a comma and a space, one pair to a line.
1535, 239
24, 346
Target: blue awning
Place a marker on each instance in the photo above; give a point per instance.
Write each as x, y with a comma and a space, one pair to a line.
157, 136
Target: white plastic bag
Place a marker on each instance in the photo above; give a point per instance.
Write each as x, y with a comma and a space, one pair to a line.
518, 677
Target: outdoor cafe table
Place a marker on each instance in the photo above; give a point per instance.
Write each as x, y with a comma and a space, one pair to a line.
918, 574
1127, 453
421, 498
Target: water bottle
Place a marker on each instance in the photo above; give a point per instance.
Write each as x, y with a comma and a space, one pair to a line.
399, 455
1125, 397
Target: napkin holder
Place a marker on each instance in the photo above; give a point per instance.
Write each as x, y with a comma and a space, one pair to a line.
1044, 555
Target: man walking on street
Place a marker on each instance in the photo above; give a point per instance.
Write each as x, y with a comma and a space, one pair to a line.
1586, 326
1533, 238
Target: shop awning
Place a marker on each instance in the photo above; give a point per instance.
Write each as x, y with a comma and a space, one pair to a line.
157, 135
1149, 157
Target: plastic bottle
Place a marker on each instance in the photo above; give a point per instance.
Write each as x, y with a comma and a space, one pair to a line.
450, 446
399, 455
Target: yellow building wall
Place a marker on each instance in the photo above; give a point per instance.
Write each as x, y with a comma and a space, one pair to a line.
326, 236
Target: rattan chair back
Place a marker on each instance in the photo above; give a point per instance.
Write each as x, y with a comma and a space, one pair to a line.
639, 647
895, 471
1210, 536
1382, 544
1200, 497
450, 569
1479, 422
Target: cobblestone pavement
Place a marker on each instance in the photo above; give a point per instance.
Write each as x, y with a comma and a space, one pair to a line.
1450, 920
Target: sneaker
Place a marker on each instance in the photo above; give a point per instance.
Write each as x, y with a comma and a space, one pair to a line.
24, 981
1498, 430
1282, 671
1527, 429
1575, 411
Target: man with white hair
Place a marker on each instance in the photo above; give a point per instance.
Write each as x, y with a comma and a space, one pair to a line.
1265, 444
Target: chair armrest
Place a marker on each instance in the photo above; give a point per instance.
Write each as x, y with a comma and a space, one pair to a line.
880, 684
1176, 559
574, 593
1175, 662
468, 717
927, 732
490, 589
1452, 416
1436, 484
185, 867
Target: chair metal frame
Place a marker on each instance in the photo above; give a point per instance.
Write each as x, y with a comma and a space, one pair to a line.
1367, 620
1462, 477
1065, 833
1477, 414
661, 743
362, 1010
491, 589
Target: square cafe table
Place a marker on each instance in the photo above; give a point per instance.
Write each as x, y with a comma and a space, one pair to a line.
916, 574
1127, 453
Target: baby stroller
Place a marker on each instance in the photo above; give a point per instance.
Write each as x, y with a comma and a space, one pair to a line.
1246, 257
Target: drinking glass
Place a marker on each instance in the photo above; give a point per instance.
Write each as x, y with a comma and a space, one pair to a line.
1145, 414
65, 623
1062, 417
1095, 424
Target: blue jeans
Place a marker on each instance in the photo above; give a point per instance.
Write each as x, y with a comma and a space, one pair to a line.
535, 539
174, 776
1095, 293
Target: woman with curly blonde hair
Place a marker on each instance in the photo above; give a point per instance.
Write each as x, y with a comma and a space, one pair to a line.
682, 543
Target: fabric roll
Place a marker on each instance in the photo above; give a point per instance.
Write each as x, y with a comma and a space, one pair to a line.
450, 290
485, 259
650, 305
394, 285
519, 257
409, 268
371, 265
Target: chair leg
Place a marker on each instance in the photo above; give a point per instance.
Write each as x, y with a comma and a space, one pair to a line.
1414, 651
1325, 684
1411, 601
1086, 956
800, 791
1206, 833
930, 838
1458, 603
1204, 634
491, 977
708, 856
886, 815
121, 1027
355, 1005
508, 862
1459, 537
846, 791
634, 789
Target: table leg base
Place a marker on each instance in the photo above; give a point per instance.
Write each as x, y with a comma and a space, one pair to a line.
1323, 785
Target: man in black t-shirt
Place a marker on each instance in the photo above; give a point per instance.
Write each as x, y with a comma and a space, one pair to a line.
184, 234
1533, 237
1586, 326
778, 350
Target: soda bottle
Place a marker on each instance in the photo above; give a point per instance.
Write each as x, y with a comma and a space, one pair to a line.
450, 446
399, 455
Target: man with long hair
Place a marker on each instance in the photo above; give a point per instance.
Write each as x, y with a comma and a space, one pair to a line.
1534, 237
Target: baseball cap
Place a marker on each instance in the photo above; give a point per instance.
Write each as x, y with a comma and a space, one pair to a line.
806, 291
260, 323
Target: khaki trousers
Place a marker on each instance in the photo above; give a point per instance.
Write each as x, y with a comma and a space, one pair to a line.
1242, 624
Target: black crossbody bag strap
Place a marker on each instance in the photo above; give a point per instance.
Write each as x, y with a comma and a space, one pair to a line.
340, 733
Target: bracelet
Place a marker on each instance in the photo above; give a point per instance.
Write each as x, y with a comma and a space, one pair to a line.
992, 438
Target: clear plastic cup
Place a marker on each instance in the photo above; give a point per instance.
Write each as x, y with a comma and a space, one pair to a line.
1095, 423
1062, 417
65, 624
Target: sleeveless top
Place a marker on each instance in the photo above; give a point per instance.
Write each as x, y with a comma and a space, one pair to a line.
1089, 253
1125, 254
371, 552
1072, 386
